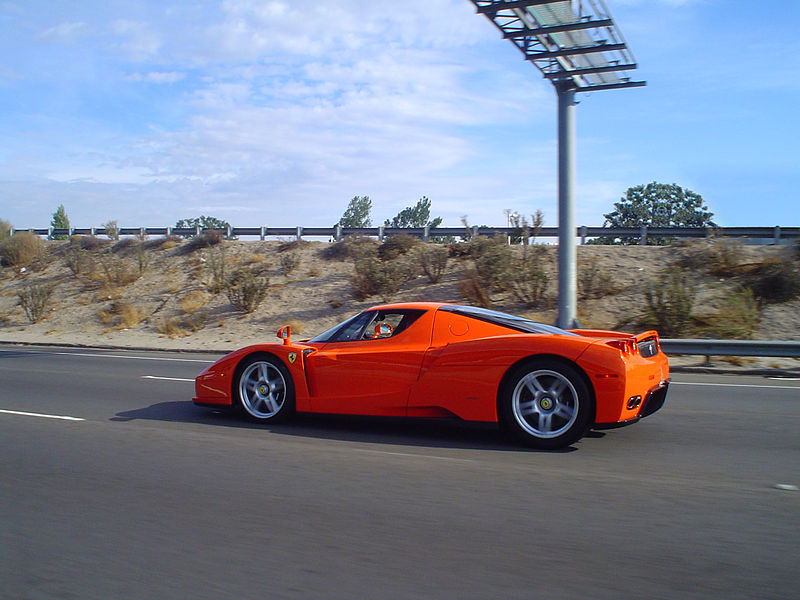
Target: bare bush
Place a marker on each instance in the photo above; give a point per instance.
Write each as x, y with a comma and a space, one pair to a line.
774, 281
5, 229
433, 260
22, 249
112, 230
396, 245
737, 317
353, 246
34, 299
117, 271
194, 301
297, 244
122, 315
79, 261
473, 289
372, 276
668, 304
595, 281
207, 239
246, 290
528, 282
216, 267
288, 262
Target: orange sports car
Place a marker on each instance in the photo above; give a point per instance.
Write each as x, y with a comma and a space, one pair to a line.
544, 385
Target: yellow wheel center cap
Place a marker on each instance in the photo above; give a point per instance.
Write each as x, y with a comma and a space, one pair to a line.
547, 404
262, 389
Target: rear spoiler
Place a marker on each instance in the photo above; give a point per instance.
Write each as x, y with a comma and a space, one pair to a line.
627, 343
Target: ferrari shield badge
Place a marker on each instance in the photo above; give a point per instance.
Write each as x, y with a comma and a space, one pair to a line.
292, 357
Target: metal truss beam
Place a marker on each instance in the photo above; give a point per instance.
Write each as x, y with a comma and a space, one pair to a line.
611, 86
495, 7
589, 71
574, 51
534, 31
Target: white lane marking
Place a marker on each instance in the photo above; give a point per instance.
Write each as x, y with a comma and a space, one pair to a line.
194, 360
785, 378
786, 487
43, 416
744, 385
166, 378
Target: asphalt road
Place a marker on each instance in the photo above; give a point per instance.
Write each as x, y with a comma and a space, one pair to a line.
151, 497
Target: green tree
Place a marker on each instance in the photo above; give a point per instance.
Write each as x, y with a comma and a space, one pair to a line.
657, 205
205, 222
60, 221
415, 216
357, 213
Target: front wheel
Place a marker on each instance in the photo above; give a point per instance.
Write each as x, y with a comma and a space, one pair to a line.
264, 389
545, 404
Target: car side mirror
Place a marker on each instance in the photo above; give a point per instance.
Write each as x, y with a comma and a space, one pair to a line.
383, 329
285, 333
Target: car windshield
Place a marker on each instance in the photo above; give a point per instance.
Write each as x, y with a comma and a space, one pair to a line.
504, 320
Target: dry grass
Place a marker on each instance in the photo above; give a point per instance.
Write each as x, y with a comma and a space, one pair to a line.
194, 301
121, 315
22, 249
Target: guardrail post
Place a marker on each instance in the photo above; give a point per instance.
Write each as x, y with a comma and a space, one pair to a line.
643, 239
263, 232
337, 234
299, 233
777, 235
582, 232
426, 235
474, 232
228, 232
50, 233
380, 233
169, 231
142, 233
197, 229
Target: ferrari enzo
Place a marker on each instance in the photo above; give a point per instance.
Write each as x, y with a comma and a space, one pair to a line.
546, 386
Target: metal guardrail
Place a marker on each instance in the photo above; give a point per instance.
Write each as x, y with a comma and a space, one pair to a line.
731, 348
774, 235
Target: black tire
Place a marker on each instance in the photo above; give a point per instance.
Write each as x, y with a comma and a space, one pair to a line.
263, 390
546, 404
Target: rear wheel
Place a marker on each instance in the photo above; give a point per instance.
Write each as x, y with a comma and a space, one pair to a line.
545, 404
264, 389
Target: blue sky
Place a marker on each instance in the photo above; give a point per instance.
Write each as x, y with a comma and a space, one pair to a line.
278, 112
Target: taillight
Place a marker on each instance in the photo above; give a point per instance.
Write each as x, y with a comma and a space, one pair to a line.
626, 346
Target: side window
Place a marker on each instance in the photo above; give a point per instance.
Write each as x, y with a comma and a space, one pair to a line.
374, 325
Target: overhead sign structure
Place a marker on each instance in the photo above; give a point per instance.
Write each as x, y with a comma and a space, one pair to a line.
578, 48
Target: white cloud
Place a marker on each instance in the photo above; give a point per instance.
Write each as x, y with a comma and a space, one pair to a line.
64, 32
157, 77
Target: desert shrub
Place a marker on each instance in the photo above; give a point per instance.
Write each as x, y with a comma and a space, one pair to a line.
737, 317
595, 281
124, 245
21, 249
528, 282
5, 229
397, 245
493, 264
480, 245
34, 299
293, 245
472, 288
433, 260
216, 265
78, 260
207, 239
668, 304
117, 271
194, 301
353, 246
774, 281
246, 290
372, 276
122, 314
288, 262
142, 258
718, 256
112, 230
87, 242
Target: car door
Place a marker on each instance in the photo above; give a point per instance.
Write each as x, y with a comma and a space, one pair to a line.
371, 367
